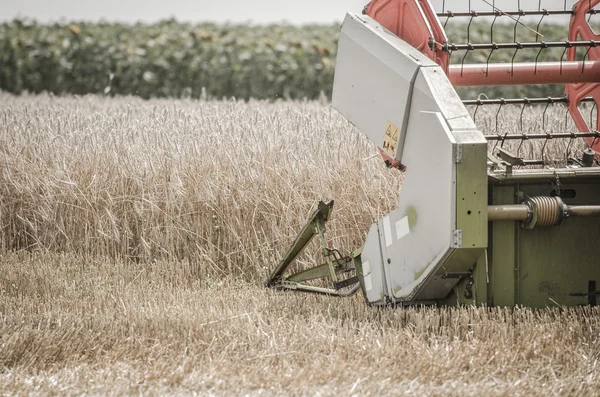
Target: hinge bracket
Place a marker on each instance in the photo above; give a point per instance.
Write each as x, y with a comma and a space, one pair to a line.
458, 153
457, 238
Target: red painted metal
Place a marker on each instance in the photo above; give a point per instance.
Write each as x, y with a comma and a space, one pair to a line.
524, 73
415, 22
580, 29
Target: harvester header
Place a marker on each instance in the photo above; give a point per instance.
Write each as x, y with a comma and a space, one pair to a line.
478, 221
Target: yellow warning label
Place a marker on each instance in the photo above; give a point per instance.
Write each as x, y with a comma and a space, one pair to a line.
390, 140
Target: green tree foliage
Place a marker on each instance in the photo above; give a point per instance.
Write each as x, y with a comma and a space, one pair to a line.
172, 59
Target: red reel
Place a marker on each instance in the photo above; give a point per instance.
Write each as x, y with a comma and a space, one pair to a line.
580, 29
415, 22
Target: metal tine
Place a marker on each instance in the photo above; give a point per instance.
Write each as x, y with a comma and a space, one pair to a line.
586, 55
469, 27
521, 144
544, 146
492, 30
462, 62
592, 116
549, 135
568, 45
573, 136
568, 151
515, 28
537, 29
527, 102
538, 55
544, 114
502, 103
487, 61
512, 60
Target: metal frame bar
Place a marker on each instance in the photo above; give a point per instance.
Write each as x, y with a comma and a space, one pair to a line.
498, 13
334, 264
558, 135
451, 47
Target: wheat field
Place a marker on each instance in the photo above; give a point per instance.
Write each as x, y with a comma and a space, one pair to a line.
134, 237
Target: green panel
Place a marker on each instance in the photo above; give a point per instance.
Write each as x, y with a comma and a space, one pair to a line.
479, 289
544, 266
557, 261
481, 281
502, 249
471, 196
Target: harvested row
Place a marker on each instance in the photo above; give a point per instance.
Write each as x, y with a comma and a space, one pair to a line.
69, 325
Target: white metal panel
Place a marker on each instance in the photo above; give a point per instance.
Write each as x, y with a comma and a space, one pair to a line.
373, 76
374, 277
381, 80
426, 201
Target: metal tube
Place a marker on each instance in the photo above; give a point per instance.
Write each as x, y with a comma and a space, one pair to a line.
521, 101
517, 101
524, 73
521, 212
474, 14
583, 210
508, 212
550, 135
516, 46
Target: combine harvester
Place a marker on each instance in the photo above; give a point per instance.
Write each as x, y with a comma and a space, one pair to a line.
476, 223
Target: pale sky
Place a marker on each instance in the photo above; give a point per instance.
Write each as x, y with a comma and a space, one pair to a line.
258, 11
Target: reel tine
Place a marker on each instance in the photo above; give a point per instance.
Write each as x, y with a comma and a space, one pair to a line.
544, 114
512, 60
544, 146
527, 102
585, 57
544, 45
502, 103
498, 113
566, 115
469, 26
515, 27
537, 29
462, 62
563, 56
492, 30
476, 109
568, 151
521, 145
487, 61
